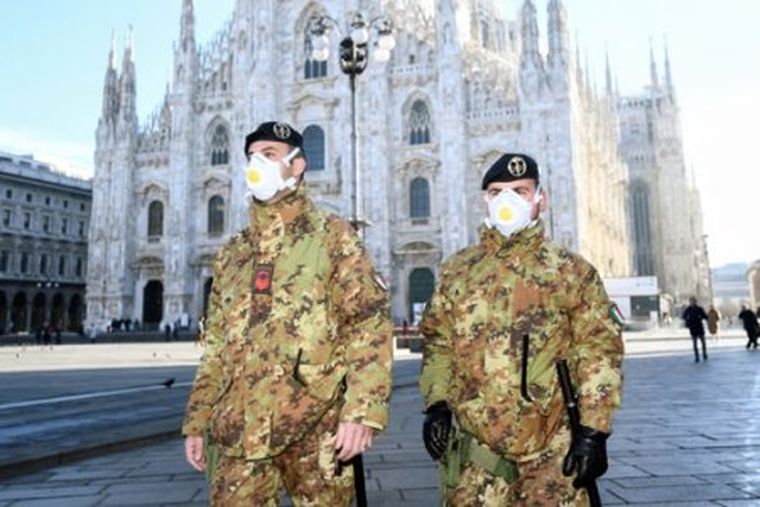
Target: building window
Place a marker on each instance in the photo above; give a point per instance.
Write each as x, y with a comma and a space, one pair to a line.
47, 200
220, 146
81, 206
643, 258
64, 226
314, 147
46, 224
81, 229
155, 219
4, 260
28, 197
419, 124
24, 262
79, 266
419, 198
9, 194
65, 203
312, 69
43, 264
215, 215
421, 286
61, 266
484, 32
7, 214
27, 220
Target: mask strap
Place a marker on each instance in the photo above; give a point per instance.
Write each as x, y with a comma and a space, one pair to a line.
537, 197
289, 158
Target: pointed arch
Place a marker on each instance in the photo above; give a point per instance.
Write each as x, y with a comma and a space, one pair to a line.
218, 142
418, 119
311, 69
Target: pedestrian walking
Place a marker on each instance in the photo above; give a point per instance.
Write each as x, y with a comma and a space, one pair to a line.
693, 316
713, 322
503, 313
296, 376
749, 321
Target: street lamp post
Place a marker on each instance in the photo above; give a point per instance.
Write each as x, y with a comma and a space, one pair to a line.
353, 54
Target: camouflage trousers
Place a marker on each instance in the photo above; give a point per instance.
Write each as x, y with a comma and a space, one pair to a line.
307, 470
540, 483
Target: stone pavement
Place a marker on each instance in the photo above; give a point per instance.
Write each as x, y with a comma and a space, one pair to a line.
687, 435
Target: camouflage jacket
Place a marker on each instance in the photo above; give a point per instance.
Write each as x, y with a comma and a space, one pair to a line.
503, 312
297, 322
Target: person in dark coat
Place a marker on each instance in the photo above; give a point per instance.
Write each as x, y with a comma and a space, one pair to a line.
749, 319
693, 316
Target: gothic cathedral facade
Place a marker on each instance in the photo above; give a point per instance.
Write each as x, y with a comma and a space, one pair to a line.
462, 87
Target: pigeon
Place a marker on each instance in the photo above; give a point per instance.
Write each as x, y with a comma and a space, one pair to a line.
168, 382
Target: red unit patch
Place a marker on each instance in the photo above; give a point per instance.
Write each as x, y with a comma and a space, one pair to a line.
262, 279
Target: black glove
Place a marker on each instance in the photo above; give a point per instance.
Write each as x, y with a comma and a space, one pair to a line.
436, 429
587, 456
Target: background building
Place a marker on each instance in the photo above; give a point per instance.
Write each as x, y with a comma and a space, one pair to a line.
463, 86
43, 245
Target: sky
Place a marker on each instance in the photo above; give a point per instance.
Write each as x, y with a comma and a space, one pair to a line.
53, 56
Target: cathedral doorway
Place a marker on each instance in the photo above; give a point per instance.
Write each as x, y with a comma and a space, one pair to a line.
38, 311
56, 314
153, 304
18, 313
3, 313
206, 293
421, 286
75, 313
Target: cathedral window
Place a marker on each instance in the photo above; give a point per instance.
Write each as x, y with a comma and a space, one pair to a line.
216, 216
61, 266
484, 32
419, 198
24, 262
312, 69
220, 146
155, 219
421, 286
419, 123
314, 147
43, 264
642, 234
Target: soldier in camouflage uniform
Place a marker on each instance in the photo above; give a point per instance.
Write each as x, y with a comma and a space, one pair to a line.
296, 374
505, 310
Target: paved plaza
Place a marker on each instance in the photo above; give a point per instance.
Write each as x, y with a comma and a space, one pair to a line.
688, 434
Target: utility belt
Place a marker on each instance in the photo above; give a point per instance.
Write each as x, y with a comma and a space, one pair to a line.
464, 448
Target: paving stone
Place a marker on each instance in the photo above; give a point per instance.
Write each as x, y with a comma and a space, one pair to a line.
651, 482
26, 492
71, 501
693, 493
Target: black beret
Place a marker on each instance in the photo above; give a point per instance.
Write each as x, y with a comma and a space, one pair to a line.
275, 131
511, 167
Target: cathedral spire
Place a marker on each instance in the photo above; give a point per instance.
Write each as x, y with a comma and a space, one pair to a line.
668, 77
578, 68
110, 83
653, 67
607, 74
530, 54
127, 80
187, 26
558, 37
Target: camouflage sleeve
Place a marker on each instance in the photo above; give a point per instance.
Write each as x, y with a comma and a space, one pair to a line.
436, 327
597, 351
365, 326
208, 377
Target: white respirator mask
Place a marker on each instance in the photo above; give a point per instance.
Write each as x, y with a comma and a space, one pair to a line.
263, 177
509, 213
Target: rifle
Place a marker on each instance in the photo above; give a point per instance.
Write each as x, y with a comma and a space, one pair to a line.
359, 484
574, 415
